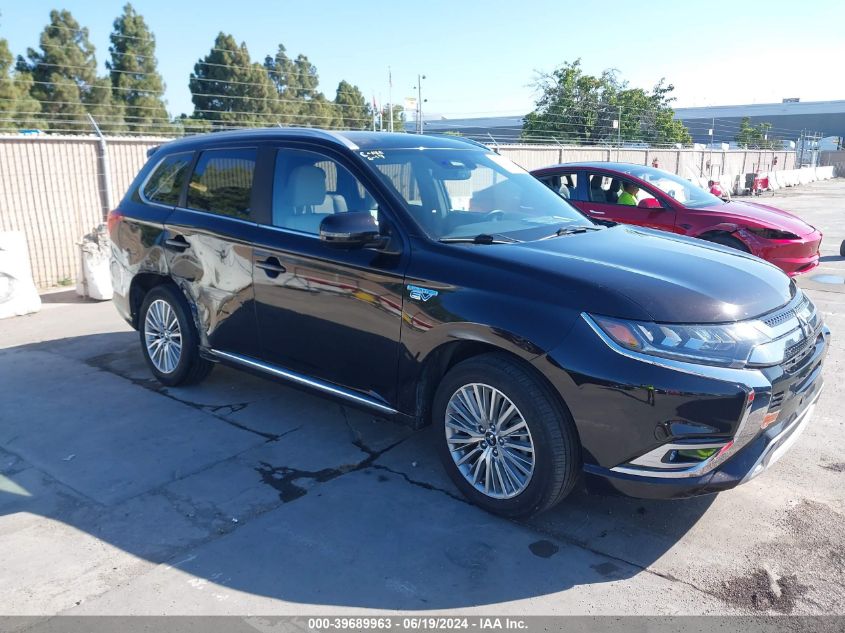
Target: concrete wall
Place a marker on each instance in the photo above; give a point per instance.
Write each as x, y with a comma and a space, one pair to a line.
687, 163
50, 186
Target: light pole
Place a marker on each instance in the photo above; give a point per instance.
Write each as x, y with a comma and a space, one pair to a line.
419, 104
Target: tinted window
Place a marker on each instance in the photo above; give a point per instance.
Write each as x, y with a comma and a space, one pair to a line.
222, 182
308, 186
165, 184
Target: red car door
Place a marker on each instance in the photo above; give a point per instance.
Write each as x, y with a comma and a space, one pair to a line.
599, 200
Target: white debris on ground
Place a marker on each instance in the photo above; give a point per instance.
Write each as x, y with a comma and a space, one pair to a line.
94, 278
18, 295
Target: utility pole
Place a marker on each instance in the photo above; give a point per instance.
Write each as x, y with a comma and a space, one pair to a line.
390, 99
619, 135
419, 104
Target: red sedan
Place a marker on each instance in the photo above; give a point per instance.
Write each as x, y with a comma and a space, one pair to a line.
642, 195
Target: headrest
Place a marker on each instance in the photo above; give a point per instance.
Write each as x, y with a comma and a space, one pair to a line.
306, 185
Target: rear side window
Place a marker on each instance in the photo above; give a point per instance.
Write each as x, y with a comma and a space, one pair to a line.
165, 184
222, 182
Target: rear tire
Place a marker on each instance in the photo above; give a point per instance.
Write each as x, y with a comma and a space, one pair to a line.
727, 240
484, 445
169, 338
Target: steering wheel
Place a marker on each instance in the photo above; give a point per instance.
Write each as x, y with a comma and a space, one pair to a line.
496, 215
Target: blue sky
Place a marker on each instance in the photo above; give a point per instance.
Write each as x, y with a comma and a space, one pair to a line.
480, 57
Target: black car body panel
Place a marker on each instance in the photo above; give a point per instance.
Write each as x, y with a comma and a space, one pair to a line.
378, 325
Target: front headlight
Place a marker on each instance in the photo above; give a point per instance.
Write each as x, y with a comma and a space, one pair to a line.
727, 345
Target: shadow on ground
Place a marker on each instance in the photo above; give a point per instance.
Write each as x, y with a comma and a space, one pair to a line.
245, 485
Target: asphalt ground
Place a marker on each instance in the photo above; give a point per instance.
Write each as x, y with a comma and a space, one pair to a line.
246, 496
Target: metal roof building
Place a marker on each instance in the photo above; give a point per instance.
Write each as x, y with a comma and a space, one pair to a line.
788, 119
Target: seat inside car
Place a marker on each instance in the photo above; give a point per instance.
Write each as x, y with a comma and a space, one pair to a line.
301, 203
597, 194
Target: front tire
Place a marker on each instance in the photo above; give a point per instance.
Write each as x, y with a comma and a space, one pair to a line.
169, 338
506, 442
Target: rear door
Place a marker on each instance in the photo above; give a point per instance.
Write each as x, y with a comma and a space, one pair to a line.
208, 241
599, 199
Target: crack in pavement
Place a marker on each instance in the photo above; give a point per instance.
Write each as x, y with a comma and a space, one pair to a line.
284, 478
151, 384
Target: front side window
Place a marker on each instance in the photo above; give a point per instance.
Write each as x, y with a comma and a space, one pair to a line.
222, 182
461, 193
165, 184
308, 186
615, 190
674, 186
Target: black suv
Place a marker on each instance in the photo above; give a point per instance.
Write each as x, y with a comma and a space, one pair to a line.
433, 281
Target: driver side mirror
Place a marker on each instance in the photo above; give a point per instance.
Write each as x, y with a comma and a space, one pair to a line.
351, 230
650, 203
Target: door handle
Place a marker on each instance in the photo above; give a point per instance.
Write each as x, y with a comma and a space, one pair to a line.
596, 212
271, 266
178, 242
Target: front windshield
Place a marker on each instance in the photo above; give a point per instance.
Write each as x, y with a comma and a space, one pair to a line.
461, 193
681, 190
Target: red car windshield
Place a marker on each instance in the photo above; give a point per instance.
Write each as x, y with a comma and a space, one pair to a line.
685, 192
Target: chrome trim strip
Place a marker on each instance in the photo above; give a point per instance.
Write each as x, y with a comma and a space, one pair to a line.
749, 377
654, 458
215, 215
314, 383
290, 231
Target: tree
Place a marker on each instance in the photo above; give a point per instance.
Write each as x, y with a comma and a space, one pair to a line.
579, 108
353, 112
64, 78
756, 137
136, 83
17, 109
228, 88
398, 118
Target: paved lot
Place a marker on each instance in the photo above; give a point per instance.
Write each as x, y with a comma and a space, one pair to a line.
244, 496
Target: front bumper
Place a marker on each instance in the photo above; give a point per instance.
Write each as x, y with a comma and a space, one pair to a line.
752, 460
621, 403
794, 257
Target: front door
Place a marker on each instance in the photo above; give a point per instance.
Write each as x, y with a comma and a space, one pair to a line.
325, 313
603, 199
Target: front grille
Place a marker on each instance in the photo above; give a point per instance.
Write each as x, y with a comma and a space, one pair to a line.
780, 317
795, 359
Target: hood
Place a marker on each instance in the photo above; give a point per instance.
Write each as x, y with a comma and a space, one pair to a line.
770, 217
670, 278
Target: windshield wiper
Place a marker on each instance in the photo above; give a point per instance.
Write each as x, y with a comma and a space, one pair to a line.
481, 238
571, 230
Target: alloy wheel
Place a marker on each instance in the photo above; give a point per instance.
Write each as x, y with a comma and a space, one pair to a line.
163, 336
489, 441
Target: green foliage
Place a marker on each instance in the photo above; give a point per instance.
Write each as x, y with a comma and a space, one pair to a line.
300, 103
185, 124
578, 108
65, 82
756, 137
136, 83
352, 109
398, 118
17, 109
228, 88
